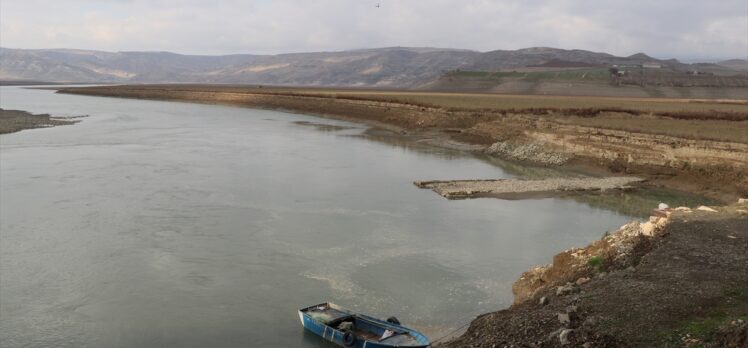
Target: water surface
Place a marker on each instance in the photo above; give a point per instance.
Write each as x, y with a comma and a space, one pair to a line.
153, 224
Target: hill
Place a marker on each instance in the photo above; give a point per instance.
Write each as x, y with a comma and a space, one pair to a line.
392, 67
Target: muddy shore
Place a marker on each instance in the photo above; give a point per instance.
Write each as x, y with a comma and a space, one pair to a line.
12, 121
700, 152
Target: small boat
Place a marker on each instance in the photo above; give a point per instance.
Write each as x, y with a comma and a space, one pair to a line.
345, 328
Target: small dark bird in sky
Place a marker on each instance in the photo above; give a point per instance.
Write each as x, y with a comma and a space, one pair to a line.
377, 6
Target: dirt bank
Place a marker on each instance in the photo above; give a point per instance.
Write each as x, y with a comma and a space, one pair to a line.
510, 188
16, 120
681, 145
676, 281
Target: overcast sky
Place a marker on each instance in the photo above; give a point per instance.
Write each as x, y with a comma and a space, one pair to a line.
683, 29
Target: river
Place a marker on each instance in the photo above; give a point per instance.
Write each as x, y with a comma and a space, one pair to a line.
164, 224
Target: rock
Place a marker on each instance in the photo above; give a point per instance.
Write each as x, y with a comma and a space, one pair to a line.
572, 309
564, 318
705, 208
554, 334
582, 280
683, 209
543, 301
648, 228
742, 211
565, 289
662, 206
563, 337
742, 200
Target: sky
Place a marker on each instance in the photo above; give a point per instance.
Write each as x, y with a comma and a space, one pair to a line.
684, 29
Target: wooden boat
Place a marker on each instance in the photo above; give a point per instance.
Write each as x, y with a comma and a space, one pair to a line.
345, 328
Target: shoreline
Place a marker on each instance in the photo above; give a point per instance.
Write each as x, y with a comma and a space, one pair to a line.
676, 280
12, 121
546, 138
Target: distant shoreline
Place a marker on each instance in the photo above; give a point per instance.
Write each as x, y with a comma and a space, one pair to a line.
12, 121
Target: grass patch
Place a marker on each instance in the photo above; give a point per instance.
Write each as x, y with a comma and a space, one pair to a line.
699, 332
596, 262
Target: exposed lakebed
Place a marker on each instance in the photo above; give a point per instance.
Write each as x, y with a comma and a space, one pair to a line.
156, 223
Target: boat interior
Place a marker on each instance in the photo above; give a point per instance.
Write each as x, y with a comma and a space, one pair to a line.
361, 327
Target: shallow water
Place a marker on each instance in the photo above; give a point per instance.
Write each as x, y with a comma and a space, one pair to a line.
155, 224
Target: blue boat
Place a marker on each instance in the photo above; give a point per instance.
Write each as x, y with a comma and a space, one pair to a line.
345, 328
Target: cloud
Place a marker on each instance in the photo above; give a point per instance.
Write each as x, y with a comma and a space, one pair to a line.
666, 28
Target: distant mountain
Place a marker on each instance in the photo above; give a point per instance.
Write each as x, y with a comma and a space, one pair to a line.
736, 64
380, 67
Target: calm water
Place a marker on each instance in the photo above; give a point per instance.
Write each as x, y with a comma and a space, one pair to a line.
155, 224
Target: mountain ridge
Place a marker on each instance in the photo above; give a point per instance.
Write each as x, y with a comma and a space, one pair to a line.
400, 67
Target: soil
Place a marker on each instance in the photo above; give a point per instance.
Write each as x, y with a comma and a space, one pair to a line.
684, 286
700, 151
16, 120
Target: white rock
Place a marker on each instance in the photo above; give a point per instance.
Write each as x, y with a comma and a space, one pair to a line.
742, 200
705, 208
683, 209
662, 206
564, 336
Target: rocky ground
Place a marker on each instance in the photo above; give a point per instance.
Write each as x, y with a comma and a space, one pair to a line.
699, 151
16, 120
511, 188
678, 280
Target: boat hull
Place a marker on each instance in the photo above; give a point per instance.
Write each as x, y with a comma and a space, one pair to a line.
329, 333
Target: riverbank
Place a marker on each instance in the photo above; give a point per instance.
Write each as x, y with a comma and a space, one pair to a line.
677, 280
698, 146
12, 121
